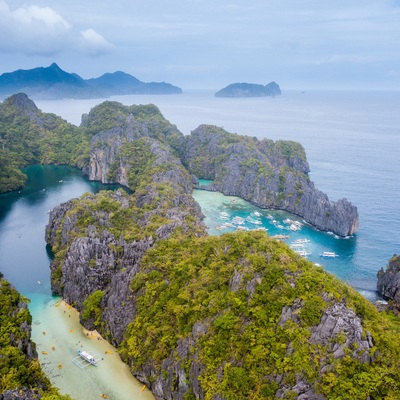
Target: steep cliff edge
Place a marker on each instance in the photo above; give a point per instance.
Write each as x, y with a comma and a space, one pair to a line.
99, 240
389, 281
269, 174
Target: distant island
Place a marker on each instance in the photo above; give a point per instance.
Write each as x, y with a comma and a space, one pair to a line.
53, 83
249, 90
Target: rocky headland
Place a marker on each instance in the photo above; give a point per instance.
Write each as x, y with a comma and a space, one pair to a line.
268, 174
244, 89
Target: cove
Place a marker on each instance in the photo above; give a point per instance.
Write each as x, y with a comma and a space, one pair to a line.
24, 261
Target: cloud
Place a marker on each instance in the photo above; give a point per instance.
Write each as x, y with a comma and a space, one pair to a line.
95, 44
40, 31
32, 30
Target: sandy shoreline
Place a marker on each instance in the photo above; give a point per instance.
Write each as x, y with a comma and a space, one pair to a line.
58, 336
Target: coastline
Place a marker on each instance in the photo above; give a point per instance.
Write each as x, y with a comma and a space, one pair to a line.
58, 336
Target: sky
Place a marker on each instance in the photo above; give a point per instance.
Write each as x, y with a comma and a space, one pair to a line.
203, 44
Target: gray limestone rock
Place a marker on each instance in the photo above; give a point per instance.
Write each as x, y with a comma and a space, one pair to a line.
389, 280
268, 174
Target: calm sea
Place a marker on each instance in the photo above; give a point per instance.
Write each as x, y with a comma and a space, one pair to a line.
352, 142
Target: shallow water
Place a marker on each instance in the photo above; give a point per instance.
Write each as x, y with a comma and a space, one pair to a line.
58, 333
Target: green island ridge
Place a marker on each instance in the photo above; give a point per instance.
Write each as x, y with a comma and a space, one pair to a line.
239, 316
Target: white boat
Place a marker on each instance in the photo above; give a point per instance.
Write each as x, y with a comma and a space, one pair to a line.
253, 221
301, 241
238, 220
294, 227
303, 253
330, 254
87, 357
257, 214
297, 245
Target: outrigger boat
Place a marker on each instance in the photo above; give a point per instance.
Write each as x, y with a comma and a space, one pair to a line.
87, 357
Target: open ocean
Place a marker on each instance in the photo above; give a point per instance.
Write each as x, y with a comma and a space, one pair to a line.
352, 141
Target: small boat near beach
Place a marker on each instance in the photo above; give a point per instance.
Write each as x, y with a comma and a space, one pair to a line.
329, 254
87, 357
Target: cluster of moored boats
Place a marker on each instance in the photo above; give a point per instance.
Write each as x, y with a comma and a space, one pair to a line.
255, 219
238, 222
300, 246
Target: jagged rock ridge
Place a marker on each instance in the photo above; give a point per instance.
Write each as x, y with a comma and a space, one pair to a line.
268, 174
105, 259
389, 280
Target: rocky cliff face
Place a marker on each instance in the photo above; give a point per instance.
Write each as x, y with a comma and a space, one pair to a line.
389, 280
266, 173
102, 258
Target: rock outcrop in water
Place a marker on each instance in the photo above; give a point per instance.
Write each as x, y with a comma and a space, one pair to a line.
268, 174
249, 90
389, 281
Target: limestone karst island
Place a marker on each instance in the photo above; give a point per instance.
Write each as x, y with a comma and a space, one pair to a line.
194, 316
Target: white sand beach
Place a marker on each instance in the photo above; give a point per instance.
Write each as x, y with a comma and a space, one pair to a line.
58, 335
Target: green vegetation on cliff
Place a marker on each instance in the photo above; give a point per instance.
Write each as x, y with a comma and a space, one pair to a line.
19, 370
28, 136
111, 115
217, 304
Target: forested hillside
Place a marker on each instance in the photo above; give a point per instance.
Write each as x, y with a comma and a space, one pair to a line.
28, 136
